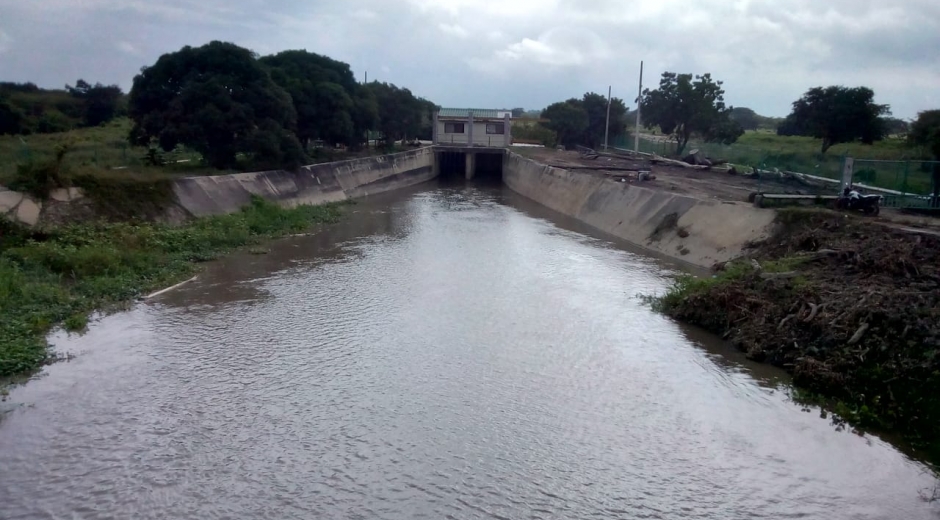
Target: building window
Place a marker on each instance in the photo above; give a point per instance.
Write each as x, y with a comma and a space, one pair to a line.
453, 128
496, 128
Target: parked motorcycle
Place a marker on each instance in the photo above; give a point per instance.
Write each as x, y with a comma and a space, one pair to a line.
854, 201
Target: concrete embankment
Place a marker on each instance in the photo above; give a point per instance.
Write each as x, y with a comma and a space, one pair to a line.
695, 231
220, 194
317, 184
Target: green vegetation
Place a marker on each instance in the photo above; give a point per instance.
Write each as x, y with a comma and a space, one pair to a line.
892, 163
224, 102
103, 152
534, 133
227, 111
582, 121
837, 115
61, 274
27, 109
925, 132
684, 107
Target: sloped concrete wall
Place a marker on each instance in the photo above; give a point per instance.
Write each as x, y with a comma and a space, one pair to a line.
220, 194
699, 232
24, 209
316, 184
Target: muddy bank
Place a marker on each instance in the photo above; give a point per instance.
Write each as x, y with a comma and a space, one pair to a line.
693, 230
850, 308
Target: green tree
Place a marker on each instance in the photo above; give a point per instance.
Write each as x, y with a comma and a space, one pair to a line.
836, 115
323, 91
518, 112
596, 107
925, 131
99, 102
218, 100
747, 118
400, 114
684, 106
365, 114
42, 110
568, 119
895, 126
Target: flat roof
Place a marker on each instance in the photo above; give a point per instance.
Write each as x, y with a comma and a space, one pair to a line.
483, 113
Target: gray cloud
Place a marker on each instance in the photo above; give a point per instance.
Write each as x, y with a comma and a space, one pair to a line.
504, 53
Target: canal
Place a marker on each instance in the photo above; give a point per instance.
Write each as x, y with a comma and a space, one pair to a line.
443, 352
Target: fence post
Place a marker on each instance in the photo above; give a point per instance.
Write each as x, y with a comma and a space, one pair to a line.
907, 169
848, 168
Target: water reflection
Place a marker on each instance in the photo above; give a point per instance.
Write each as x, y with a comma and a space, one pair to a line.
451, 353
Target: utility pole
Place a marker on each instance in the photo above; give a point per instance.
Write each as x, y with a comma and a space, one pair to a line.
639, 99
367, 78
607, 126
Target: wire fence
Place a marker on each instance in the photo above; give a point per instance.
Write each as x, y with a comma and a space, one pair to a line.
904, 175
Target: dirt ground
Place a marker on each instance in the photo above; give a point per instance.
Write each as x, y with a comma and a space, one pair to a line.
703, 184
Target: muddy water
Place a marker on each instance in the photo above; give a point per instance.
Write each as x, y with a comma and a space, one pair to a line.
446, 353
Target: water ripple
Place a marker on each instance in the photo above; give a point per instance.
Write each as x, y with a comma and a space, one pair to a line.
448, 354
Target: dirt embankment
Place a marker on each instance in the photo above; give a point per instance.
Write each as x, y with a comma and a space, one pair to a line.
849, 307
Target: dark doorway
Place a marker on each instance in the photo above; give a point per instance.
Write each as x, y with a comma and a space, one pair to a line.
452, 165
489, 167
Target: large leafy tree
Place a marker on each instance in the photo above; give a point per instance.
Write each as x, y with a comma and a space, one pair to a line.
581, 121
684, 106
218, 100
925, 131
325, 94
596, 107
100, 103
568, 119
400, 113
836, 115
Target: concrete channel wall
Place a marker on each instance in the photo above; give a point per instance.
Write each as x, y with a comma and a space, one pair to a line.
694, 231
220, 194
317, 184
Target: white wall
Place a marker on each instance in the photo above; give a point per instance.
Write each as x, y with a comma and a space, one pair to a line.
480, 137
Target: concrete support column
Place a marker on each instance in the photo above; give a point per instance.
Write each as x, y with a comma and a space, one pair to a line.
434, 129
470, 129
507, 129
470, 170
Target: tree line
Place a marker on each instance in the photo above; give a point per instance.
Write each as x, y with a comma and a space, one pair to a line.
687, 106
27, 109
231, 106
224, 102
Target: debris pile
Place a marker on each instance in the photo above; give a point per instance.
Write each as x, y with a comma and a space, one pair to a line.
850, 308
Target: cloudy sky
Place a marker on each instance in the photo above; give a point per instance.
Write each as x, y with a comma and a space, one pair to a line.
508, 53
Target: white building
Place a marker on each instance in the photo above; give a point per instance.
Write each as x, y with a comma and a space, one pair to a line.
471, 127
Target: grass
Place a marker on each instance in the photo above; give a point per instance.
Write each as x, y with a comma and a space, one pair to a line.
104, 151
62, 274
908, 169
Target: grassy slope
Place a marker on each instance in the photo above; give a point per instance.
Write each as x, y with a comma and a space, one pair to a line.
65, 273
